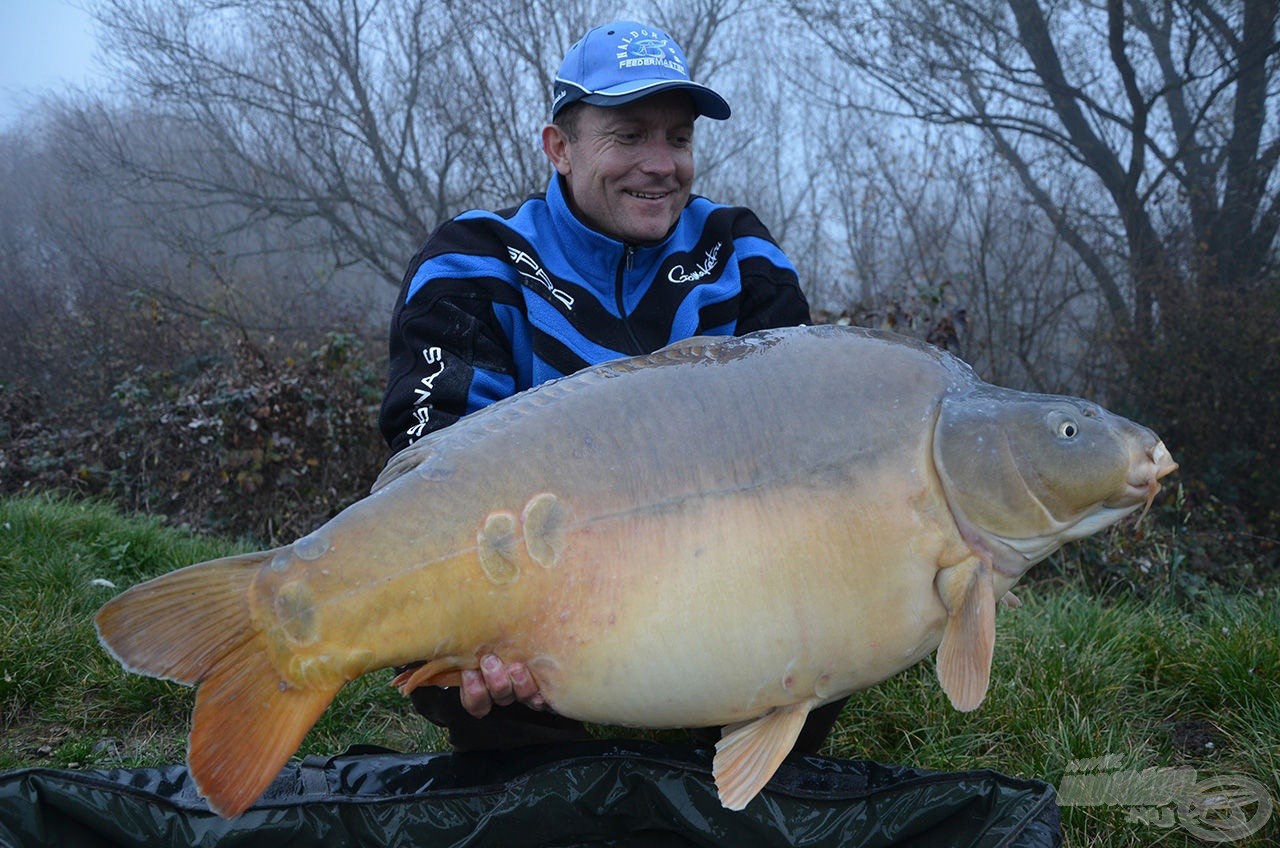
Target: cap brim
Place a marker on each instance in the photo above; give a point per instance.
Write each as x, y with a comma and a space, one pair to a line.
705, 101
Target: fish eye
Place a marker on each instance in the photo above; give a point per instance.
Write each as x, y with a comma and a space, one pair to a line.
1063, 424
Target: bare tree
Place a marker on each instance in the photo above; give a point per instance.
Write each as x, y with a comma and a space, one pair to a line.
1145, 131
1162, 106
938, 242
25, 252
268, 159
379, 119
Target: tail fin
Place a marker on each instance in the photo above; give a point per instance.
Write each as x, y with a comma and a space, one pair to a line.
194, 626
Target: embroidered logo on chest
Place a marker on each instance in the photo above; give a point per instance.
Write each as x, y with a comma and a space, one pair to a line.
536, 277
679, 275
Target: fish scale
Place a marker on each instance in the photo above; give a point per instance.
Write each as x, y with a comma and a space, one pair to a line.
730, 531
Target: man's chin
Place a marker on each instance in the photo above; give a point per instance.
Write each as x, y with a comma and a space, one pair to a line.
648, 231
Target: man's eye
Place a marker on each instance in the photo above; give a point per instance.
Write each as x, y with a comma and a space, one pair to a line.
628, 137
681, 140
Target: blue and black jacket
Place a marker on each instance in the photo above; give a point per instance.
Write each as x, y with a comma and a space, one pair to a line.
496, 302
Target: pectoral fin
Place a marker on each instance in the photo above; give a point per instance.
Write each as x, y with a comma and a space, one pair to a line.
445, 671
749, 753
964, 657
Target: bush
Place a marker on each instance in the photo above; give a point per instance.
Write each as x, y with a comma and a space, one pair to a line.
241, 445
1210, 384
1190, 545
1217, 408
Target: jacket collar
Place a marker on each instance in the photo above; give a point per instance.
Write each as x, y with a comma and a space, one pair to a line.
580, 237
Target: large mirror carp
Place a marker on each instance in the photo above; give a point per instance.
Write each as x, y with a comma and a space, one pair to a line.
730, 531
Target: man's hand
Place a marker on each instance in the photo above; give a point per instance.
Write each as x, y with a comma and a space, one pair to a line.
501, 684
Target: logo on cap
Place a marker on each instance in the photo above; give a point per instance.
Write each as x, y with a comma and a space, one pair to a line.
642, 48
619, 63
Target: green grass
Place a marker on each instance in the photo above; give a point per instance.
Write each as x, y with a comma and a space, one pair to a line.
65, 703
1074, 678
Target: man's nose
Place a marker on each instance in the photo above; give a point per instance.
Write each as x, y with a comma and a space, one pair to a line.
658, 157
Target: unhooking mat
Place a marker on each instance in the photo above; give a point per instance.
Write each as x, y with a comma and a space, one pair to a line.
597, 793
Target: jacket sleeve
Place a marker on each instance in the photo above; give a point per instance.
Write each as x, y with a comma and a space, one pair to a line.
449, 354
768, 303
771, 295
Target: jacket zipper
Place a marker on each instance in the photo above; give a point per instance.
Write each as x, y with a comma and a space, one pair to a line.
628, 259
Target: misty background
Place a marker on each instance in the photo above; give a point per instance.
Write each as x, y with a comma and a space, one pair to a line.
1074, 197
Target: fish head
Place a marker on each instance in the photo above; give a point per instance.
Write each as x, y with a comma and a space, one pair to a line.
1025, 473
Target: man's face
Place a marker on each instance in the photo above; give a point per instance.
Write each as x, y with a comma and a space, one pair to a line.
629, 171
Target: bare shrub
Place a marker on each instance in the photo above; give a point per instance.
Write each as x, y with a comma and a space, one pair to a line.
244, 444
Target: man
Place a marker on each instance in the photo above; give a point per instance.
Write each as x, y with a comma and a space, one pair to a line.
616, 258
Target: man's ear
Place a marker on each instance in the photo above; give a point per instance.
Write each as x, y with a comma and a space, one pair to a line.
555, 143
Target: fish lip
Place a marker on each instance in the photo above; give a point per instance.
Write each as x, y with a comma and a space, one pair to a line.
1163, 460
1137, 490
1143, 487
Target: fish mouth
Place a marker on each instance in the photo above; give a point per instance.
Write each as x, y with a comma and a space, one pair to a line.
1143, 486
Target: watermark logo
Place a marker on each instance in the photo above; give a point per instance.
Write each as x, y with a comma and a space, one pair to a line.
1215, 809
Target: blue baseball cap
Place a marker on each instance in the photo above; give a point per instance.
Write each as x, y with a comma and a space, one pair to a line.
624, 61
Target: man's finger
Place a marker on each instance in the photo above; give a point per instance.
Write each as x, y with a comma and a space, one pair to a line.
474, 694
497, 679
525, 687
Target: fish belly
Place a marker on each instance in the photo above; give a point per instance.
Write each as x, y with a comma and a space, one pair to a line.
722, 609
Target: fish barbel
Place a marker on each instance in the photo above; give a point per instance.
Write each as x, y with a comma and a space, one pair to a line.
730, 531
